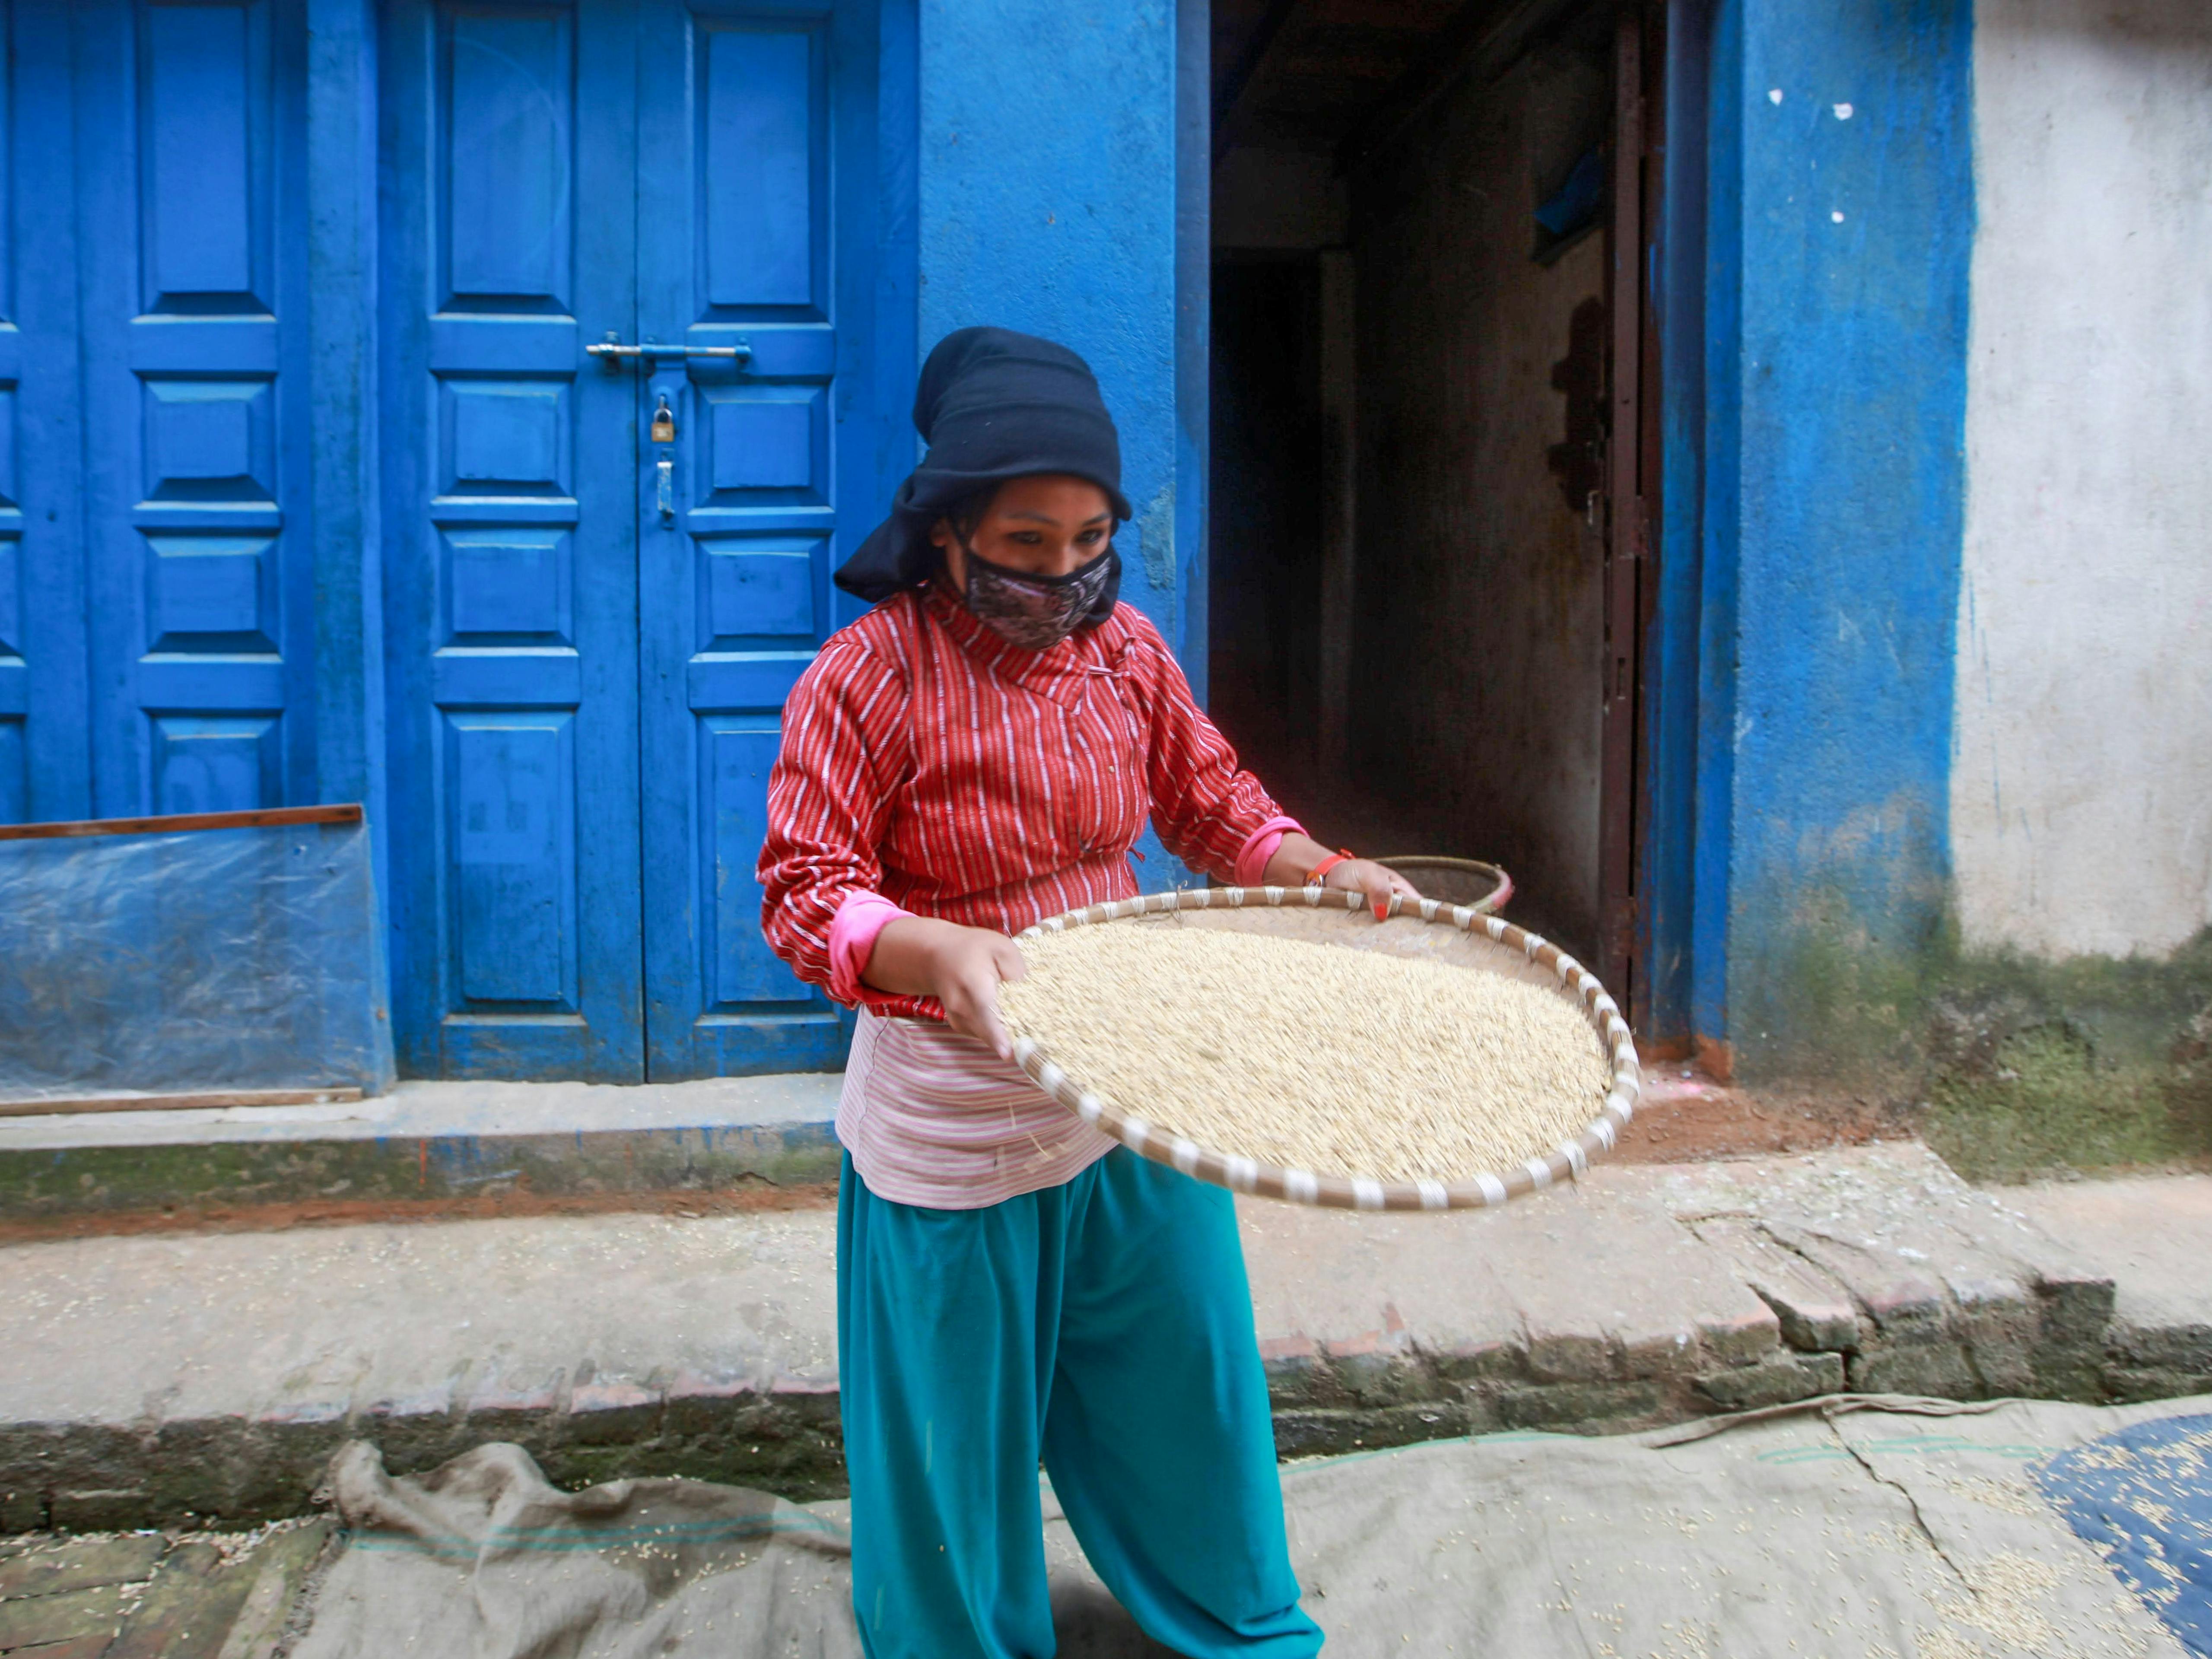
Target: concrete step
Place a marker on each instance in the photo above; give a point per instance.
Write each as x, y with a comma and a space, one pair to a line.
2154, 1235
423, 1144
146, 1378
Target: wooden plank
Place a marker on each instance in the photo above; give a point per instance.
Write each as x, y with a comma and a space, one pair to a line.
54, 1105
1626, 538
261, 817
1651, 473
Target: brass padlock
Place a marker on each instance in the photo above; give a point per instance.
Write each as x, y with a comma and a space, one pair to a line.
664, 423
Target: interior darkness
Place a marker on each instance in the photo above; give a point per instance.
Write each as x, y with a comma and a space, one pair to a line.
1443, 162
1264, 638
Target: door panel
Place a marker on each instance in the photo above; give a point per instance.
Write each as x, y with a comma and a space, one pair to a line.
757, 212
510, 531
194, 335
44, 770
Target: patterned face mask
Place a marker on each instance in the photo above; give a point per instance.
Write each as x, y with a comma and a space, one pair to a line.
1037, 612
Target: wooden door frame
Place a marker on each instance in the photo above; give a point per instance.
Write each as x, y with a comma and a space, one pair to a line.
1632, 485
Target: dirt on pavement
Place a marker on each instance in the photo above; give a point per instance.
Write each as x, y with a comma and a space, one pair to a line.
1686, 1117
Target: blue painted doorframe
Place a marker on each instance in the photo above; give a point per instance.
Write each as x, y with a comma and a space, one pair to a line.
1813, 276
44, 727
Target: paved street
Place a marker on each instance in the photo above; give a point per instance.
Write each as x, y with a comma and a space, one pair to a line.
147, 1596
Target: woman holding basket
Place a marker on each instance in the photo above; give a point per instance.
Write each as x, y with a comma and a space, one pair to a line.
978, 752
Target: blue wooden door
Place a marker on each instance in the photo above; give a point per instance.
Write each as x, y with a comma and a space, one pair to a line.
758, 220
511, 540
593, 633
156, 610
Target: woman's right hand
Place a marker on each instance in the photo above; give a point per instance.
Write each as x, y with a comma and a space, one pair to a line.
962, 967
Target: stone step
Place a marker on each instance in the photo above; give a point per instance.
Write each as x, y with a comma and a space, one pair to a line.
144, 1378
2154, 1235
424, 1144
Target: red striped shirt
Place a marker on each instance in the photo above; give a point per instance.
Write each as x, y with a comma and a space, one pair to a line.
960, 776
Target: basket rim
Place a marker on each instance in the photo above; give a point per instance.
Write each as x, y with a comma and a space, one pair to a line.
1565, 1162
1501, 891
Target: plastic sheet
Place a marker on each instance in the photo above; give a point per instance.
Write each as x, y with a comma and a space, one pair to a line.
2142, 1500
244, 957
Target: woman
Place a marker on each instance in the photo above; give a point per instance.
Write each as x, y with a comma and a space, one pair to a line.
979, 751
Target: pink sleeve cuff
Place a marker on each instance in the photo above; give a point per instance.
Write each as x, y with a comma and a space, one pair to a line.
1251, 862
853, 934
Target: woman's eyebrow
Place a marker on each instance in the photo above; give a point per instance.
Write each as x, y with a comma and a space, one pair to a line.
1047, 518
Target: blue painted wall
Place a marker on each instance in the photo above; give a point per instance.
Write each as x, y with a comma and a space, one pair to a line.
1821, 547
1051, 198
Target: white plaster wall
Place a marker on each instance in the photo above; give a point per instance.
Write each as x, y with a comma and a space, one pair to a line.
2082, 783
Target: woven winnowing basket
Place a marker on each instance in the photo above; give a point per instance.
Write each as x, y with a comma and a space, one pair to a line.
1454, 933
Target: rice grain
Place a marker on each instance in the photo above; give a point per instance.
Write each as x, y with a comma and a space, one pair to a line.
1314, 1057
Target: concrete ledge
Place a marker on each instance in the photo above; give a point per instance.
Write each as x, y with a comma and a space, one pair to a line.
425, 1142
1651, 1294
88, 1477
151, 1379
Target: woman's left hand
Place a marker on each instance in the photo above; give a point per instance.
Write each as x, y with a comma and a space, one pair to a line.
1377, 881
1297, 855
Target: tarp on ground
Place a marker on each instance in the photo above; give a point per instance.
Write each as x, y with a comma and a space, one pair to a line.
1876, 1535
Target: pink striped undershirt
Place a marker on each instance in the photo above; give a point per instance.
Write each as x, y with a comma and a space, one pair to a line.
936, 1119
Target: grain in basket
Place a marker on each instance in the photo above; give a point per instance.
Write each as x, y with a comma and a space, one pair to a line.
1311, 1056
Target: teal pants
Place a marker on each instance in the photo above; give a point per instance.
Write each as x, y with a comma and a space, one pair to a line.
1103, 1325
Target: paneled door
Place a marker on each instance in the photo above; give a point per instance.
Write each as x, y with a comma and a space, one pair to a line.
156, 610
631, 258
510, 608
756, 235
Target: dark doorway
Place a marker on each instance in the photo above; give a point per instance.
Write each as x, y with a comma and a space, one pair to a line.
1264, 637
1429, 389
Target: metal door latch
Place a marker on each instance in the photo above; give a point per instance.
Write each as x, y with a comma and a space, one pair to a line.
664, 488
613, 354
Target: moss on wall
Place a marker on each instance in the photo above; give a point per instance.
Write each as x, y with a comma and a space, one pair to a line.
2013, 1067
2047, 1101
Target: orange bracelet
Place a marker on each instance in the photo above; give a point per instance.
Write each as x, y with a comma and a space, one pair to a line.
1313, 875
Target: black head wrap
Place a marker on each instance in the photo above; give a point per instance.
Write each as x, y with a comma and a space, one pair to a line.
991, 406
